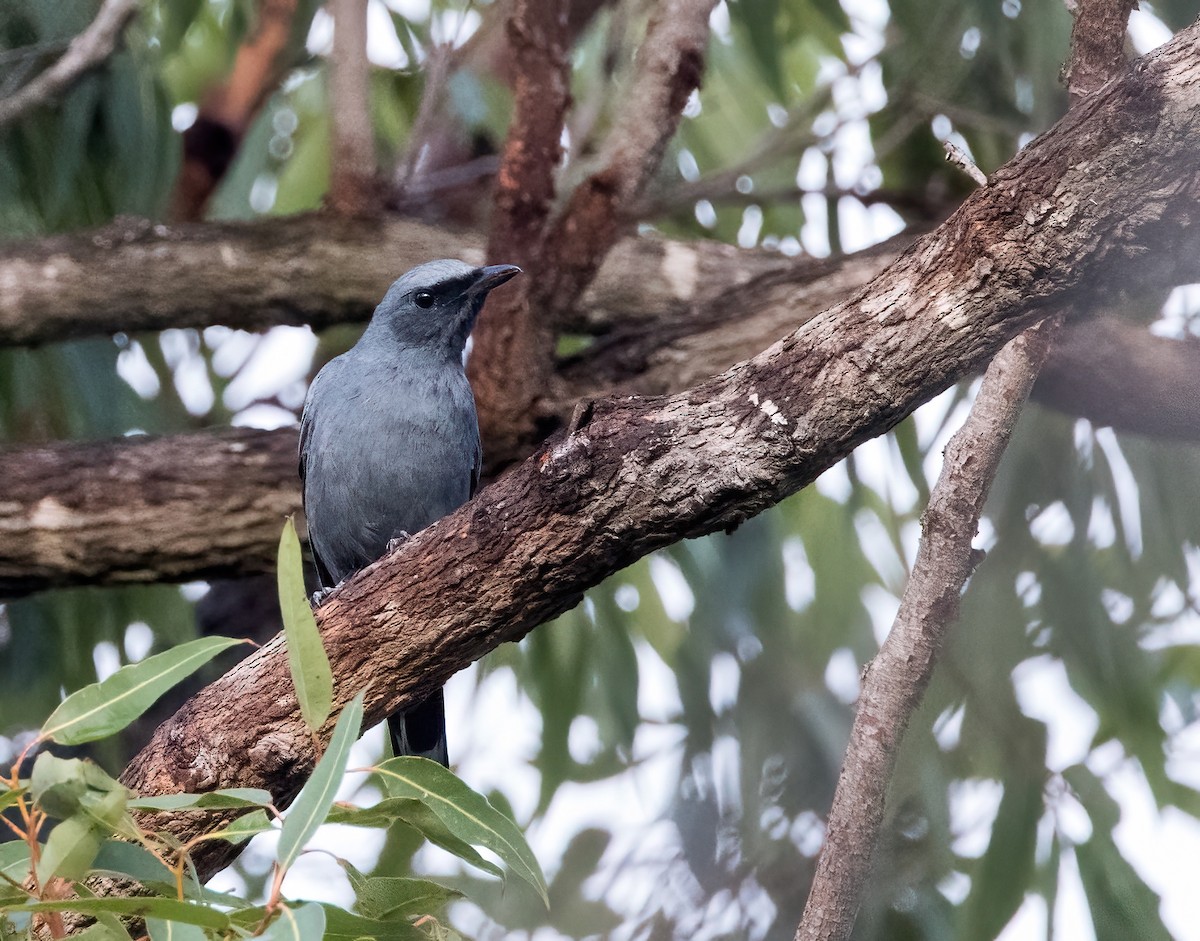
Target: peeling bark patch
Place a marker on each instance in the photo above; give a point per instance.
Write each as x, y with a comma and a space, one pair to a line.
768, 408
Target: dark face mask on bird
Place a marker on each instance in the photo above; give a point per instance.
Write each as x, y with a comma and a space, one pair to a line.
435, 305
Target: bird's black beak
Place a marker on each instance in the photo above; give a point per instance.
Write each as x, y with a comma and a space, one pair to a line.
492, 277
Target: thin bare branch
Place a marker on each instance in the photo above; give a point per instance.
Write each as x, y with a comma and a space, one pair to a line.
668, 69
353, 170
897, 678
87, 50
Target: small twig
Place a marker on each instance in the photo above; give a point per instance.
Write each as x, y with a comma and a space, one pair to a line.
87, 50
961, 159
353, 168
897, 678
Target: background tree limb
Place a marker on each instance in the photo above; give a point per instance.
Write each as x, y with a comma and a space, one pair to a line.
87, 50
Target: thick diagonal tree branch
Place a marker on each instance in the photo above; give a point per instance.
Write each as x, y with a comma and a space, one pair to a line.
645, 472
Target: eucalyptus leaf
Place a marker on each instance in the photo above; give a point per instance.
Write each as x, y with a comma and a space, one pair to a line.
241, 829
69, 850
306, 923
420, 817
309, 811
307, 659
226, 799
162, 930
466, 813
106, 707
60, 785
139, 907
396, 896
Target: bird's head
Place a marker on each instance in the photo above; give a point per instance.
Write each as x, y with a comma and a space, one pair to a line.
434, 305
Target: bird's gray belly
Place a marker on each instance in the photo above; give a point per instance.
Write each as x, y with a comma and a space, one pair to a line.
362, 492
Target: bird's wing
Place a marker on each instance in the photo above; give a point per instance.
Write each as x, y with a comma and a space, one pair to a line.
307, 421
477, 470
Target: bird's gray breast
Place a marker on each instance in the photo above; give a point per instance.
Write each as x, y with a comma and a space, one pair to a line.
386, 448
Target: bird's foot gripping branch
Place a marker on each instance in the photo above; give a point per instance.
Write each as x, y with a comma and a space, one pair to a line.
80, 834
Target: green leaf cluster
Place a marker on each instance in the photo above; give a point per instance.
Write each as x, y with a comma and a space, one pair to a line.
76, 822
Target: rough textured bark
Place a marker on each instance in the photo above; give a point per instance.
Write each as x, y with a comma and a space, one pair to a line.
514, 339
137, 510
314, 269
1097, 44
643, 472
667, 314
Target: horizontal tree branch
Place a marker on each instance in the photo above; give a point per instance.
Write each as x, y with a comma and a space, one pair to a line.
310, 269
1067, 218
144, 509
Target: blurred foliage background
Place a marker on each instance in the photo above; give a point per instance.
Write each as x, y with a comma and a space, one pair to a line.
673, 743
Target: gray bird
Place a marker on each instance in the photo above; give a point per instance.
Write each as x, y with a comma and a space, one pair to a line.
389, 441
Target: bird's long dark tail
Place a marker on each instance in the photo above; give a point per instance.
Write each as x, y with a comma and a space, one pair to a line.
421, 730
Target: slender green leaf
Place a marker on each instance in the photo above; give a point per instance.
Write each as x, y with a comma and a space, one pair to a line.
307, 660
341, 925
1007, 869
141, 907
106, 707
467, 814
1122, 905
243, 828
69, 850
132, 861
163, 930
10, 797
314, 801
227, 799
14, 864
393, 897
421, 818
105, 930
60, 785
306, 923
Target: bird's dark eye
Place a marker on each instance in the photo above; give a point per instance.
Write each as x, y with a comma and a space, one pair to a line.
423, 299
